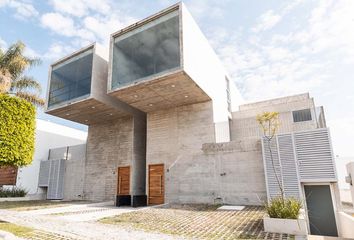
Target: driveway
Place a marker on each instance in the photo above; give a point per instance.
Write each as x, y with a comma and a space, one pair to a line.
78, 221
104, 221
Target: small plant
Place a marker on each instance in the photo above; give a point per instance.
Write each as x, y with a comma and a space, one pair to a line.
12, 192
283, 208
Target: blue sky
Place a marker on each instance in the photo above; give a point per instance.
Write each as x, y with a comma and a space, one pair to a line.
270, 48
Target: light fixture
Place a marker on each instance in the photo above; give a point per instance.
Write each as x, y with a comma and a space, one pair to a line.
173, 85
86, 120
186, 96
67, 114
135, 96
150, 104
110, 114
93, 107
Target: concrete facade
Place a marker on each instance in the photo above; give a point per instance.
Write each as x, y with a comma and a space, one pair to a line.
187, 116
109, 145
244, 124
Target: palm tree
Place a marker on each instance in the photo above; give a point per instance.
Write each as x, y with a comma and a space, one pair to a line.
13, 63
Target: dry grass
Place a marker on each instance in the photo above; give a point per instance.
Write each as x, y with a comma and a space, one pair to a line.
15, 229
33, 205
30, 233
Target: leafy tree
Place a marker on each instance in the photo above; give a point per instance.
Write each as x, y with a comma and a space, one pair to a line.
269, 122
13, 64
17, 130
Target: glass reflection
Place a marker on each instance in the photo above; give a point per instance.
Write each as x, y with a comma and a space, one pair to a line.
71, 79
149, 50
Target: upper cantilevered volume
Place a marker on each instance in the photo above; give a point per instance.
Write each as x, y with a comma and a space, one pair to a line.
71, 79
78, 89
147, 51
165, 61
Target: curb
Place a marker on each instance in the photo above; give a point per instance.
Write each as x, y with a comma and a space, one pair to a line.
8, 236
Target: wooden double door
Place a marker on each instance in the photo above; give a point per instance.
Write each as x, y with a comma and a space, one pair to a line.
123, 186
156, 184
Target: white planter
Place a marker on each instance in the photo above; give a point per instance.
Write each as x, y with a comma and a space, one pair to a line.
288, 226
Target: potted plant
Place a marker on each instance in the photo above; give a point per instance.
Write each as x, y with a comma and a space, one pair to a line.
284, 214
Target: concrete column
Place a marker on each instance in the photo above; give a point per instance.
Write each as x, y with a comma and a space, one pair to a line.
138, 166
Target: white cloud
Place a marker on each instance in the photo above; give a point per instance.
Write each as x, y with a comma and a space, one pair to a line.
59, 24
267, 21
24, 9
315, 55
30, 52
3, 44
57, 50
102, 27
342, 134
80, 8
85, 21
207, 9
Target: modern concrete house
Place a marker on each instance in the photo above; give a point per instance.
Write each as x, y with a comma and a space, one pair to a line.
167, 124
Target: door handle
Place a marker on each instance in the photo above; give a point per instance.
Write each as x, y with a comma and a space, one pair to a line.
161, 185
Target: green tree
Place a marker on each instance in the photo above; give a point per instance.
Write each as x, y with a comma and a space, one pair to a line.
269, 122
17, 130
13, 64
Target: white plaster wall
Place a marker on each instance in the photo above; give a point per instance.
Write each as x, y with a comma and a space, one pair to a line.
48, 135
350, 171
201, 63
346, 225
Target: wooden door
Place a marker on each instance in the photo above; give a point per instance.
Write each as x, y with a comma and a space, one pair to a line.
123, 186
156, 184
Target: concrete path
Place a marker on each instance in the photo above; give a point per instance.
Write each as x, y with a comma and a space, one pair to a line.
76, 222
83, 212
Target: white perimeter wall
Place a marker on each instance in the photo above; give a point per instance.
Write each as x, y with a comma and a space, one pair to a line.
48, 135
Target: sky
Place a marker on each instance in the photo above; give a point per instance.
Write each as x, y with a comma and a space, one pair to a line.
270, 48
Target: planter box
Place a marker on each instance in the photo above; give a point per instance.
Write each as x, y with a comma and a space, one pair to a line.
288, 226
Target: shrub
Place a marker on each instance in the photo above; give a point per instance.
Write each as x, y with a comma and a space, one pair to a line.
17, 129
283, 208
12, 192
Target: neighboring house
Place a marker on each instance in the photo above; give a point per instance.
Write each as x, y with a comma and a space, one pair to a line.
167, 124
48, 135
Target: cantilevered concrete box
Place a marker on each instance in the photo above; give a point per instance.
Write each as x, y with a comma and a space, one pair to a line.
77, 88
165, 61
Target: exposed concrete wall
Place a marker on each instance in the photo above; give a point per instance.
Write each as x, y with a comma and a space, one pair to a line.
245, 126
196, 172
109, 145
174, 136
231, 173
75, 172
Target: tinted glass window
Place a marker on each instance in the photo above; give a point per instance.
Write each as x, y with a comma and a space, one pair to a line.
71, 80
302, 115
146, 51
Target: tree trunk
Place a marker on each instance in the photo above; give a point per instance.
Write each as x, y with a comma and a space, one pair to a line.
5, 82
275, 171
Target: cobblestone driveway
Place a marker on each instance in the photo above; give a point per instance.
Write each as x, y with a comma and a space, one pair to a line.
198, 221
